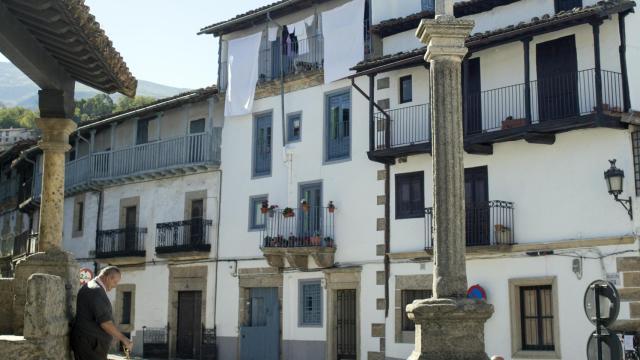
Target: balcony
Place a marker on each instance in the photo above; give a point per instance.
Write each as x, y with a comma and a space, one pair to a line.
25, 244
298, 234
307, 57
178, 155
121, 246
489, 225
187, 236
555, 104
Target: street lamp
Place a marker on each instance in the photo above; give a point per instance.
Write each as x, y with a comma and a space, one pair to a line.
614, 178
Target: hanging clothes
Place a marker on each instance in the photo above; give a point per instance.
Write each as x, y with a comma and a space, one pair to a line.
342, 28
242, 69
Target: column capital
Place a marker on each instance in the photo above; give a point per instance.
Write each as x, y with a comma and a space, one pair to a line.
445, 37
55, 133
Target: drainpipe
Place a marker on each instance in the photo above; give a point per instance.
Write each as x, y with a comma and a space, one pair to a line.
387, 236
281, 57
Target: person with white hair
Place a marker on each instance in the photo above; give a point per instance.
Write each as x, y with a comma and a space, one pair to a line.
93, 327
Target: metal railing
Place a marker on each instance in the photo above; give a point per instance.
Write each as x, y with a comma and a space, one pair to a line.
186, 235
408, 126
208, 344
302, 227
155, 342
202, 148
488, 224
302, 56
25, 243
120, 242
552, 98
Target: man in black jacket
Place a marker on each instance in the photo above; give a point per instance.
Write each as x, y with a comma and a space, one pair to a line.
93, 328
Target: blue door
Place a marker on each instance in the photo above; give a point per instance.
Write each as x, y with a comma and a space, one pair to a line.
310, 219
260, 337
338, 126
262, 146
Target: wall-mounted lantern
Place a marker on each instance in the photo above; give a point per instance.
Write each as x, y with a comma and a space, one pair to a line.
615, 184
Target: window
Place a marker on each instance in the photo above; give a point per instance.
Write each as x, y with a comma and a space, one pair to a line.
338, 127
566, 5
406, 91
126, 307
256, 218
428, 5
80, 221
196, 126
310, 303
142, 133
294, 127
410, 195
78, 216
262, 146
536, 317
635, 141
408, 296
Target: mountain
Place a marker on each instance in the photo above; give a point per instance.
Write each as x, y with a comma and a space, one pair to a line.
16, 89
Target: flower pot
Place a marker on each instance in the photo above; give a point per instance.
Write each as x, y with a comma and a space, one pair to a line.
305, 207
511, 123
264, 210
314, 241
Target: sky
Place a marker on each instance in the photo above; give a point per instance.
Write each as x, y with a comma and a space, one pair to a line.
157, 38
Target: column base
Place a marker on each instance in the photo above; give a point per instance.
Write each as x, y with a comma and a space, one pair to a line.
449, 329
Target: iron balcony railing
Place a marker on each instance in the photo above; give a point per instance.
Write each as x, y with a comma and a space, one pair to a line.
486, 224
552, 98
301, 227
407, 126
120, 242
155, 342
186, 235
25, 244
303, 56
202, 148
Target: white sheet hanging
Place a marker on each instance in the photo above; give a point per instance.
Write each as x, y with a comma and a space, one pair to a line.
273, 33
243, 74
300, 29
343, 32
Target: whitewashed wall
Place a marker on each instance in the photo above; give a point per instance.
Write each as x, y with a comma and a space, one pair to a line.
81, 247
632, 23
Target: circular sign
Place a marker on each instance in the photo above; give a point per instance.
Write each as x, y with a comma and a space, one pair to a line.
476, 292
611, 346
85, 275
609, 302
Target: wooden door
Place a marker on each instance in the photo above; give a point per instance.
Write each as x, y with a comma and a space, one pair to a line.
197, 222
130, 228
262, 146
476, 188
473, 99
557, 70
310, 221
189, 324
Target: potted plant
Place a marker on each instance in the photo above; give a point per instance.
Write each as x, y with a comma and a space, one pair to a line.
265, 207
327, 242
304, 205
288, 212
272, 210
510, 123
315, 239
331, 207
268, 241
502, 234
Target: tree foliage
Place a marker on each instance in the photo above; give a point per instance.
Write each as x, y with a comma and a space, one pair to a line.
17, 117
126, 103
94, 107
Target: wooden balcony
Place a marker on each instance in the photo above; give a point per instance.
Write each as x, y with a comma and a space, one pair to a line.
298, 234
168, 157
24, 244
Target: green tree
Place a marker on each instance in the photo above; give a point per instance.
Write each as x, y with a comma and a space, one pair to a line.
17, 117
126, 103
93, 107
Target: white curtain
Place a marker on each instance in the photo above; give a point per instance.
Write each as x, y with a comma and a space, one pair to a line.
243, 74
343, 31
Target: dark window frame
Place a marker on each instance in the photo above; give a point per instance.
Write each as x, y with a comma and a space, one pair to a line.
407, 296
401, 179
126, 312
401, 81
80, 221
635, 143
538, 317
253, 201
302, 309
198, 121
290, 118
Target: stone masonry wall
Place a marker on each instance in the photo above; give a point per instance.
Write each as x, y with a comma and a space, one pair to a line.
6, 306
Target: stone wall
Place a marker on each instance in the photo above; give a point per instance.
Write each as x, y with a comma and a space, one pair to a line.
6, 306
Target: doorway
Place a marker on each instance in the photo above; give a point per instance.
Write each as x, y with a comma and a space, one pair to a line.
557, 71
130, 228
473, 100
310, 220
476, 191
189, 324
260, 336
346, 310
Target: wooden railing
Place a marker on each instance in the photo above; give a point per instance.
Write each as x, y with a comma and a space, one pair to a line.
193, 149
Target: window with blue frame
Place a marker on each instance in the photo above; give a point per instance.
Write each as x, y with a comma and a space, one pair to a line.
338, 126
262, 145
256, 218
428, 5
310, 303
294, 127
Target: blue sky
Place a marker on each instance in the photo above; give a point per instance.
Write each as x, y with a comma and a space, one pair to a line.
157, 38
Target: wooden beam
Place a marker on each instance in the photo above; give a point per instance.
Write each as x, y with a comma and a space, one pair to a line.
479, 149
540, 138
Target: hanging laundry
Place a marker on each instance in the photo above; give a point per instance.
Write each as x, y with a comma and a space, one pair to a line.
272, 33
242, 68
342, 28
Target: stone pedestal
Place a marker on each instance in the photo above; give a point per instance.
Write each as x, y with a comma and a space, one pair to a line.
449, 329
54, 144
54, 262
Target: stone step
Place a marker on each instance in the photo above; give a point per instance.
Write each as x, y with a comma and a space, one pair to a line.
628, 263
631, 278
634, 310
629, 294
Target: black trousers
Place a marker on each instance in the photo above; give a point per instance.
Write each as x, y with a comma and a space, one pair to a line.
88, 347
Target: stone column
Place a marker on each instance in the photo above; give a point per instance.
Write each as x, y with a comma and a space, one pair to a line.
448, 326
54, 144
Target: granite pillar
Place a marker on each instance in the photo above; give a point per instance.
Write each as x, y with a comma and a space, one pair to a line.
54, 144
448, 326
